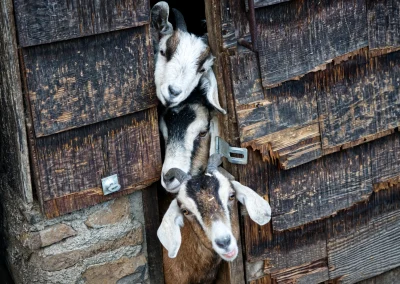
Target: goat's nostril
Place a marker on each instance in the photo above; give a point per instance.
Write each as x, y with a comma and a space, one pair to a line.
168, 178
173, 92
223, 242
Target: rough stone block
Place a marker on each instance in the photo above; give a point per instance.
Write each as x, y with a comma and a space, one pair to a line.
68, 259
110, 273
115, 213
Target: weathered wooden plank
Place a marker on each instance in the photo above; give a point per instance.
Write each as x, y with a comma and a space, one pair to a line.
358, 98
389, 277
315, 272
48, 21
383, 23
70, 165
292, 41
263, 3
14, 154
362, 241
278, 250
385, 160
280, 122
320, 188
83, 81
152, 222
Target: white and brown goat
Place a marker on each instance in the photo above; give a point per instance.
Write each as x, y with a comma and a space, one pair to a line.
196, 230
182, 60
187, 87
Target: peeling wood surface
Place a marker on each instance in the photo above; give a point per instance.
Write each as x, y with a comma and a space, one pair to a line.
320, 188
83, 81
315, 272
363, 242
355, 100
14, 154
358, 98
70, 165
383, 23
263, 3
292, 41
44, 21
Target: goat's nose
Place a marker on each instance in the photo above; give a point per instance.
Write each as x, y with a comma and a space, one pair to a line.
223, 242
173, 91
168, 179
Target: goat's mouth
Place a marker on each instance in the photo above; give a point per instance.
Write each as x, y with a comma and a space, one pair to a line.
230, 255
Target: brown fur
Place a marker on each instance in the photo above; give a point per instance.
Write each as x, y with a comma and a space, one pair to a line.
200, 159
196, 261
202, 58
172, 44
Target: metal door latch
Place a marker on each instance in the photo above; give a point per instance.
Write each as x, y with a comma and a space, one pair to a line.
110, 184
222, 147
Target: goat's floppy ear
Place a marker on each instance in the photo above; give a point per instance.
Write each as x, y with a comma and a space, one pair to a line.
169, 232
159, 21
209, 83
258, 208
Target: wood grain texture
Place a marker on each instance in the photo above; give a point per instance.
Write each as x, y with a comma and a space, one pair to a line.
263, 3
292, 41
385, 160
383, 23
315, 272
152, 222
48, 21
71, 164
14, 154
279, 250
281, 122
320, 188
84, 81
389, 277
362, 241
358, 98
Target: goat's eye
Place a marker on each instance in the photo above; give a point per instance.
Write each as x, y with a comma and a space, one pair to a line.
232, 196
162, 52
185, 212
203, 134
202, 70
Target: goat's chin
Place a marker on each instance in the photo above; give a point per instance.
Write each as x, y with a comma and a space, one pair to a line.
231, 255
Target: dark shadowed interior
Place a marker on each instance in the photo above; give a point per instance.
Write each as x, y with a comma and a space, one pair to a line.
193, 12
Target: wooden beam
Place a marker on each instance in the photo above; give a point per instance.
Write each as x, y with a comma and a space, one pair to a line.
152, 222
14, 153
42, 21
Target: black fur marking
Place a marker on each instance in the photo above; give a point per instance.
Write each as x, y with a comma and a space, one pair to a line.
178, 118
203, 190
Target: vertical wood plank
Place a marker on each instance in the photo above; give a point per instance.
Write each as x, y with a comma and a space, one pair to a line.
152, 222
14, 153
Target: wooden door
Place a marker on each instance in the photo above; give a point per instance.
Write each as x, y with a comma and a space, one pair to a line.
88, 73
314, 89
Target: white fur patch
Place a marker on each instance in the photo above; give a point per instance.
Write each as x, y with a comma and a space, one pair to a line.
181, 71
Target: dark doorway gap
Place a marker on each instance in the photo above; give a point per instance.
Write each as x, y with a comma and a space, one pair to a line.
193, 11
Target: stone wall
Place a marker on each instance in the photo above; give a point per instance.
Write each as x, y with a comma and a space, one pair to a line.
102, 244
